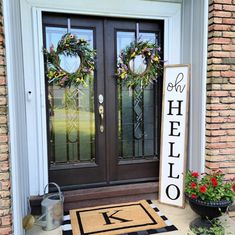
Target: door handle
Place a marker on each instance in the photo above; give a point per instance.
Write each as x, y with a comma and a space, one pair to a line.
101, 113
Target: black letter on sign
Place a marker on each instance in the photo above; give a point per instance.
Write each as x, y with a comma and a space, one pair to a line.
178, 107
171, 150
174, 128
171, 171
108, 217
167, 192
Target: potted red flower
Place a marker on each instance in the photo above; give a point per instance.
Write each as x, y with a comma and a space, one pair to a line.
209, 195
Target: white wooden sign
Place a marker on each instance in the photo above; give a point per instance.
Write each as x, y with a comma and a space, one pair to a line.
174, 134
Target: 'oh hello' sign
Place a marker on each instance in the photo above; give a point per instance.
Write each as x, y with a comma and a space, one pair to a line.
174, 134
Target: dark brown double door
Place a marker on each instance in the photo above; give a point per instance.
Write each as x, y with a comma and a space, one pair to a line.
127, 151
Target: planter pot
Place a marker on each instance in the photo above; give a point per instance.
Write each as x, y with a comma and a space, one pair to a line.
209, 210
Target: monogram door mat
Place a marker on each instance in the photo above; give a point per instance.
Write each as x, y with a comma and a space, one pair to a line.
136, 218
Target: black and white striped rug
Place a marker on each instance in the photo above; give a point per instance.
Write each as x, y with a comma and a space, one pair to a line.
67, 228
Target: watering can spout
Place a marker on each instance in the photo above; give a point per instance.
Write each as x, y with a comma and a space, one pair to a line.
41, 221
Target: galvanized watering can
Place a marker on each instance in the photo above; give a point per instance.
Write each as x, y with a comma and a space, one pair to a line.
52, 209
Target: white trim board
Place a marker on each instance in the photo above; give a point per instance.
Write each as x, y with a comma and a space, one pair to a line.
33, 61
17, 115
194, 52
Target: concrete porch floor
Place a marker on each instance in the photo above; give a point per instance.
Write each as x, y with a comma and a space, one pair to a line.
178, 216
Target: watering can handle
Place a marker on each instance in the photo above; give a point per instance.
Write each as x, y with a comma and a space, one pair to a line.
57, 186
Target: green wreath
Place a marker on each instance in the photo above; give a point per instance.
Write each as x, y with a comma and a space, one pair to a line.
150, 54
70, 45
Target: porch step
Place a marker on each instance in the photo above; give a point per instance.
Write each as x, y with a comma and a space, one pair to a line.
102, 196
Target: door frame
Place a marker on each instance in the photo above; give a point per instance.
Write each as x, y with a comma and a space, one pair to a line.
34, 63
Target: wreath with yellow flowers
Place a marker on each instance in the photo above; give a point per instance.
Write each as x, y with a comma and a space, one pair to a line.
70, 45
151, 58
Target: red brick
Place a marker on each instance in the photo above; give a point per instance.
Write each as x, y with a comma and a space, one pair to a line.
230, 132
232, 93
3, 100
228, 73
220, 139
215, 34
221, 54
221, 14
2, 81
4, 166
218, 93
227, 151
232, 54
220, 145
228, 87
6, 220
213, 74
228, 47
227, 113
3, 157
215, 7
218, 106
3, 138
219, 27
228, 126
215, 20
215, 47
227, 100
212, 113
228, 8
220, 119
219, 67
5, 185
216, 133
213, 165
220, 40
214, 61
223, 1
3, 119
5, 230
228, 21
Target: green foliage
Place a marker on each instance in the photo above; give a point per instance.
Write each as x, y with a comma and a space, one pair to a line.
70, 45
209, 187
150, 53
217, 227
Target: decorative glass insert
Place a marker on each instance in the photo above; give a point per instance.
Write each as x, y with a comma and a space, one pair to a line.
137, 122
71, 110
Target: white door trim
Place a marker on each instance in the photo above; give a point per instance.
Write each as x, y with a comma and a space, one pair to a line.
33, 61
17, 117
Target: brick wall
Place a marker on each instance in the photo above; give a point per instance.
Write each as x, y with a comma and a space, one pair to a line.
220, 116
5, 194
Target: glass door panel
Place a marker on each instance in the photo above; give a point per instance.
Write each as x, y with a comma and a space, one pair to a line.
136, 111
71, 116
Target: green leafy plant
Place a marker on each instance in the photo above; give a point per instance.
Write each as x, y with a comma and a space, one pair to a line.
209, 187
150, 54
217, 227
70, 45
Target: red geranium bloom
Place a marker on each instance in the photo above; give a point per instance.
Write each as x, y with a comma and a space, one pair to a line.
233, 187
202, 189
214, 182
193, 185
195, 174
193, 196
